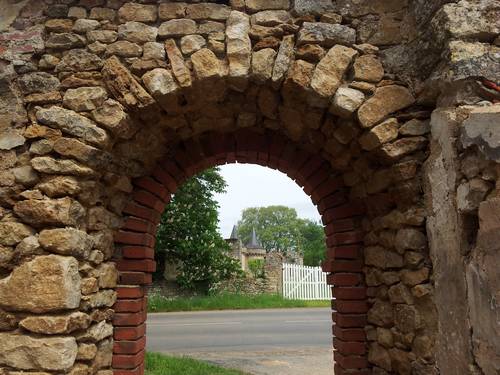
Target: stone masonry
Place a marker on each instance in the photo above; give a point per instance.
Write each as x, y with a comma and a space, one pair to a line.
385, 112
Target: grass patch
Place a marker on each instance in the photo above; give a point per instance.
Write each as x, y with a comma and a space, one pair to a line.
158, 364
158, 303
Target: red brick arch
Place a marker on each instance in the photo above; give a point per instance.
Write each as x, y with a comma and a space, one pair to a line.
341, 218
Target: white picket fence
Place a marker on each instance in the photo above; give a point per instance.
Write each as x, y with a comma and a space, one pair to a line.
305, 283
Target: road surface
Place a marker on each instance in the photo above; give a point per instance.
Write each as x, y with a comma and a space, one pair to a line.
260, 342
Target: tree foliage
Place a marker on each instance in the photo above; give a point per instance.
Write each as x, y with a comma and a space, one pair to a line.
280, 229
188, 235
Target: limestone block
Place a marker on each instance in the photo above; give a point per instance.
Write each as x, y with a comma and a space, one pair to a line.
84, 98
137, 32
108, 275
270, 17
330, 71
379, 135
10, 139
96, 332
124, 48
208, 11
346, 101
138, 12
407, 318
42, 353
326, 34
25, 175
62, 211
86, 352
179, 69
481, 130
412, 278
258, 5
316, 7
400, 293
72, 123
239, 49
379, 356
49, 165
102, 298
381, 314
392, 152
113, 117
262, 65
65, 41
379, 257
283, 61
169, 11
104, 356
47, 283
11, 233
162, 85
102, 14
67, 241
81, 26
79, 60
103, 36
59, 324
410, 239
192, 43
177, 28
368, 68
387, 99
37, 82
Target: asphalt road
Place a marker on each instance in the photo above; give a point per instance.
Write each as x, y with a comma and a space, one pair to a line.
260, 342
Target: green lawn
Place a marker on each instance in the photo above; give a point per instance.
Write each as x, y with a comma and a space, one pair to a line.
158, 364
227, 302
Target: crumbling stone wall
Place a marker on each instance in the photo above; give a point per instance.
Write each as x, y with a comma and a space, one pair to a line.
108, 106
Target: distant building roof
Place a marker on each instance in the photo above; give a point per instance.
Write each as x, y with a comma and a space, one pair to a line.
234, 233
254, 241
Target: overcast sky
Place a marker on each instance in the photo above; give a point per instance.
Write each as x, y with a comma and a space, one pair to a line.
251, 185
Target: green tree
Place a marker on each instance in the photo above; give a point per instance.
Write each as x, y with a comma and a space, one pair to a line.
280, 229
188, 235
313, 243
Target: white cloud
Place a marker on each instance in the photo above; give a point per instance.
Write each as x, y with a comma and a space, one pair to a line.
251, 185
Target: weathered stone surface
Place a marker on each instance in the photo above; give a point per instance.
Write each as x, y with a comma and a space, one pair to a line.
407, 318
368, 68
124, 48
412, 278
112, 116
329, 72
480, 129
67, 241
179, 69
346, 101
387, 99
47, 283
415, 127
270, 17
208, 11
326, 34
316, 7
239, 49
102, 14
262, 65
258, 5
206, 64
103, 36
168, 11
63, 211
59, 186
79, 60
402, 147
379, 135
84, 98
10, 139
25, 175
37, 82
65, 41
153, 51
30, 353
192, 43
176, 28
379, 356
49, 165
410, 239
400, 293
379, 257
96, 332
59, 324
124, 87
283, 60
83, 25
103, 298
161, 84
108, 275
86, 352
137, 32
11, 233
381, 314
138, 12
72, 123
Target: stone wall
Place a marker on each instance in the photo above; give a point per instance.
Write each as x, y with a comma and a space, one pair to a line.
106, 107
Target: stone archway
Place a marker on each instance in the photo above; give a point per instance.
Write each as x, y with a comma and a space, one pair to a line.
109, 107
